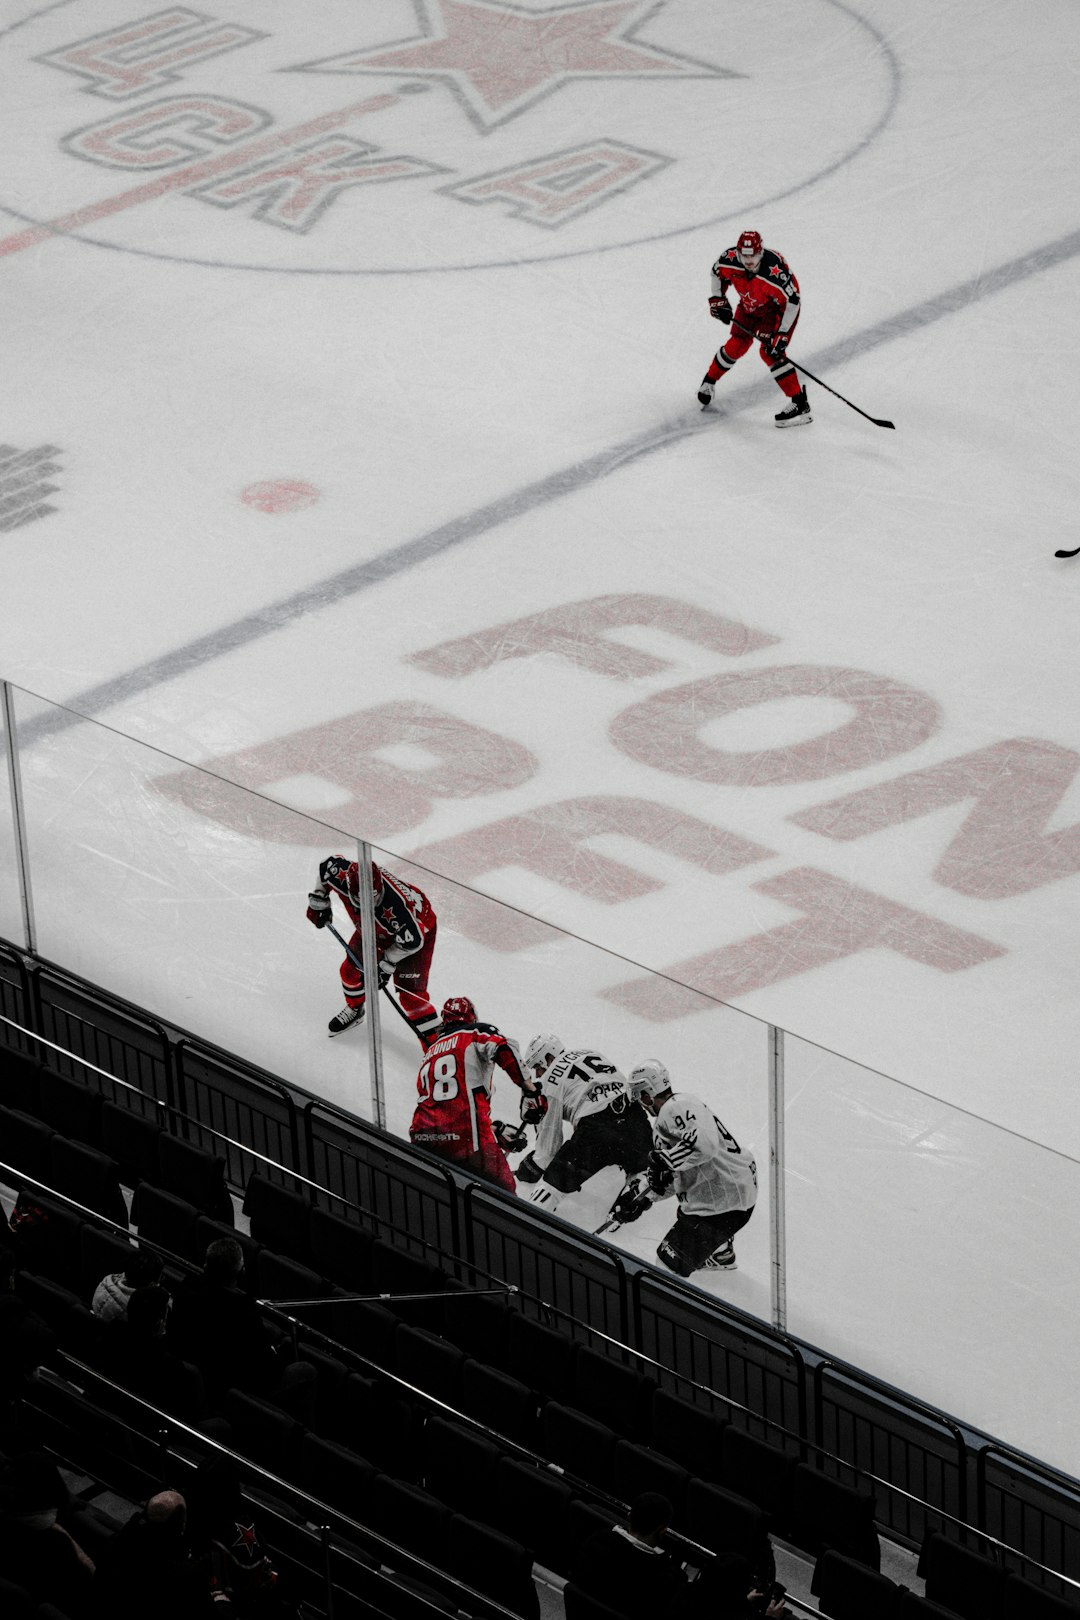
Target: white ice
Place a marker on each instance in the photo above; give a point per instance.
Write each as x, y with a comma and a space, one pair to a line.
917, 168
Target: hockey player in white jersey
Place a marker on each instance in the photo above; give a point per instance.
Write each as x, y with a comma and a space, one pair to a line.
696, 1158
584, 1091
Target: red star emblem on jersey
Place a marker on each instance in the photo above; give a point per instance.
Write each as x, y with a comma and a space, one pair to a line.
499, 59
387, 915
246, 1539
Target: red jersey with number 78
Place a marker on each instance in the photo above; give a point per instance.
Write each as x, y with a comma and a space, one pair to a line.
454, 1088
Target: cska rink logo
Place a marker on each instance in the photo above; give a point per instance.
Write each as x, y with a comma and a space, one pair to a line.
413, 135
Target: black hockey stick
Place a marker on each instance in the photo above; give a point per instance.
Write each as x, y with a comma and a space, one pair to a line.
359, 966
878, 421
1066, 553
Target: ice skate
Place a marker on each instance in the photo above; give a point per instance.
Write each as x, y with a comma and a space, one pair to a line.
798, 411
722, 1259
345, 1019
705, 392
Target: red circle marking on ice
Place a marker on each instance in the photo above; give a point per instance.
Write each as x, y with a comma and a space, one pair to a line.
280, 495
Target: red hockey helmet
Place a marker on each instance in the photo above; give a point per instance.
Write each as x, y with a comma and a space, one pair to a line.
376, 880
457, 1010
750, 247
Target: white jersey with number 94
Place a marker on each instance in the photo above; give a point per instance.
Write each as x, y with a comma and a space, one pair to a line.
713, 1174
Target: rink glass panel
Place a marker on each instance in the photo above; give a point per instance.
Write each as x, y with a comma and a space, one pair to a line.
11, 915
186, 895
529, 977
933, 1249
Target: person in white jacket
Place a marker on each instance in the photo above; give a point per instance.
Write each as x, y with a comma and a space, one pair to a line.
110, 1301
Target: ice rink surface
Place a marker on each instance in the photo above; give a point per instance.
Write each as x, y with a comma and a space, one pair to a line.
349, 450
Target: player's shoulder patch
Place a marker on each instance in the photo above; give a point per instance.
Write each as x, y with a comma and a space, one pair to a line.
774, 267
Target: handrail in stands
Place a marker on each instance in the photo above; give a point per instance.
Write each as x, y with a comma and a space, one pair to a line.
660, 1309
428, 1572
299, 1329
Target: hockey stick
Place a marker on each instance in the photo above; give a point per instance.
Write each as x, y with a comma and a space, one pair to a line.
878, 421
1066, 553
359, 966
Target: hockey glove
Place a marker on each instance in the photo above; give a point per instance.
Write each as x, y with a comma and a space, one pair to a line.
776, 346
534, 1105
633, 1201
720, 310
659, 1175
318, 908
511, 1138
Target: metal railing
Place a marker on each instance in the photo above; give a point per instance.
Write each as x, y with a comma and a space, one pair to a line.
929, 1469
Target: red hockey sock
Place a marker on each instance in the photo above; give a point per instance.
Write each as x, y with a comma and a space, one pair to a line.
789, 384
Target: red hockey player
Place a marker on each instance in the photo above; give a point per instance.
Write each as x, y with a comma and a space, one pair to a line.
404, 934
767, 313
453, 1109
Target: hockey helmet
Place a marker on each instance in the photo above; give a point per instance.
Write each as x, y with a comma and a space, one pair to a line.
376, 881
648, 1081
541, 1053
457, 1010
750, 247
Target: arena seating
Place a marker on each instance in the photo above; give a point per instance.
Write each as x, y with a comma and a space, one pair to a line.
611, 1425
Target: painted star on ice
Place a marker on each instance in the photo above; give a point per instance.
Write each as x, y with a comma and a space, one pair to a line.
498, 60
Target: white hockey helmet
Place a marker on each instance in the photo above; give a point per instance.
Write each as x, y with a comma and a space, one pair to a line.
541, 1053
649, 1080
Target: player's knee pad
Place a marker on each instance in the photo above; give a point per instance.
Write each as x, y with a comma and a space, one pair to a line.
563, 1177
528, 1169
670, 1258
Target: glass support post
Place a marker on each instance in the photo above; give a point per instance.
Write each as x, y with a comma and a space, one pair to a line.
372, 1007
18, 817
777, 1221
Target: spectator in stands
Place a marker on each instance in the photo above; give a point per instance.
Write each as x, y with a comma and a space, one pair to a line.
110, 1301
148, 1571
222, 1529
36, 1552
729, 1588
134, 1353
25, 1341
629, 1570
216, 1325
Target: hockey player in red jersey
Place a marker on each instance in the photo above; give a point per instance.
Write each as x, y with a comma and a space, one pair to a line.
404, 933
453, 1109
767, 313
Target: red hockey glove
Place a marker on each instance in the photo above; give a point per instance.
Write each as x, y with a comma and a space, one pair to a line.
318, 908
720, 310
534, 1105
776, 345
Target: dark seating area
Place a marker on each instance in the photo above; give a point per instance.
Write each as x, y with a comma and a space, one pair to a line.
479, 1433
